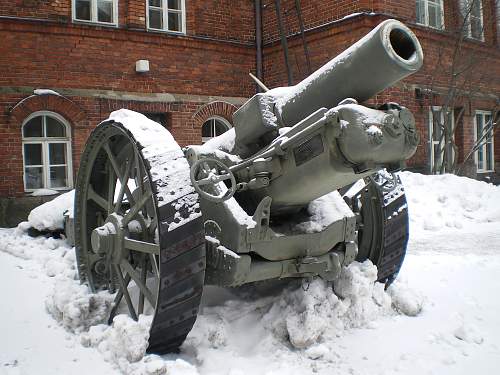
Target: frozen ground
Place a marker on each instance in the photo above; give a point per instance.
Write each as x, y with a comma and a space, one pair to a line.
441, 316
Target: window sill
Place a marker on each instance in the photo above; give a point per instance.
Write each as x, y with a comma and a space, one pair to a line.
28, 192
92, 23
180, 33
430, 27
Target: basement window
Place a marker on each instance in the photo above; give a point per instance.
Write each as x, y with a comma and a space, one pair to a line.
96, 11
213, 127
46, 152
166, 15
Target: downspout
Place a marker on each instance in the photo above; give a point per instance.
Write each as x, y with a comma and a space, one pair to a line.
258, 40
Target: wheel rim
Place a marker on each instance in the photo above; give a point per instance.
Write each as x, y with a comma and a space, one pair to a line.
115, 209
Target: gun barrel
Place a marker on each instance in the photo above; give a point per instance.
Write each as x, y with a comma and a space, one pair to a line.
387, 54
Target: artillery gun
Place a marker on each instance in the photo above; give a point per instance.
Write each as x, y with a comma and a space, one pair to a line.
302, 186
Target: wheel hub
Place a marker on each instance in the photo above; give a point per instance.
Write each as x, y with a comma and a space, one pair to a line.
108, 239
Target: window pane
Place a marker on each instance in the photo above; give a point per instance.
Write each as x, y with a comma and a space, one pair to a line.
174, 4
57, 153
155, 3
207, 129
155, 19
57, 177
421, 12
33, 177
174, 21
434, 20
82, 10
220, 127
476, 28
479, 125
476, 8
33, 154
105, 11
33, 128
489, 156
55, 128
436, 129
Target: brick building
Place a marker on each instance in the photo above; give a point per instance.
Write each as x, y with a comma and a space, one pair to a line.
66, 64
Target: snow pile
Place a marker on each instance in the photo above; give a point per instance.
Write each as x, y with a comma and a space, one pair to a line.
125, 343
43, 192
55, 256
449, 201
468, 333
50, 216
318, 313
404, 299
324, 211
71, 304
45, 92
302, 316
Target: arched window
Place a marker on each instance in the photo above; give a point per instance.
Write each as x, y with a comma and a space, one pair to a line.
46, 152
213, 127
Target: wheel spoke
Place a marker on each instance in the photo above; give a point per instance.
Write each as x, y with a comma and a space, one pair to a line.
154, 266
137, 207
141, 246
92, 195
205, 181
111, 189
144, 272
123, 288
137, 279
116, 167
123, 186
118, 299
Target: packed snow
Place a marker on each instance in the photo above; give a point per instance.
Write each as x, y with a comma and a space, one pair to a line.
50, 215
45, 92
439, 317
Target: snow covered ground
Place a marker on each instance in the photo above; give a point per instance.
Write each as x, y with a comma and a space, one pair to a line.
440, 317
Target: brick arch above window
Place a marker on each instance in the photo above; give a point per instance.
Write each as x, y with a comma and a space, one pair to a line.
51, 103
221, 109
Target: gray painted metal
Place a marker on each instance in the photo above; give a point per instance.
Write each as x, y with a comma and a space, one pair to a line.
255, 184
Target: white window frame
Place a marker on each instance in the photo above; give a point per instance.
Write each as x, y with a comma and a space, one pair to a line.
165, 11
93, 14
45, 141
497, 14
483, 147
464, 5
215, 118
432, 141
426, 13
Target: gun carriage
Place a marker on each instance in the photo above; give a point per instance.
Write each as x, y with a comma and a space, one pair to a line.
302, 186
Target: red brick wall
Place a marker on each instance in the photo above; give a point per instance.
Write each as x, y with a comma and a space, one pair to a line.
87, 57
214, 58
222, 19
184, 121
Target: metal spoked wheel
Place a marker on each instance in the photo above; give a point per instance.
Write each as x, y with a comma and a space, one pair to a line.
379, 203
151, 256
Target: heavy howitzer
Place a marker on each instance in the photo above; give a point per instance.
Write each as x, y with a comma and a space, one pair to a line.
300, 187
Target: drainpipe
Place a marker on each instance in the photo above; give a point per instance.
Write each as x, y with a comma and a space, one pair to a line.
258, 40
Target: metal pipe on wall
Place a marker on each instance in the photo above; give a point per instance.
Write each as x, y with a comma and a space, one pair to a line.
258, 40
